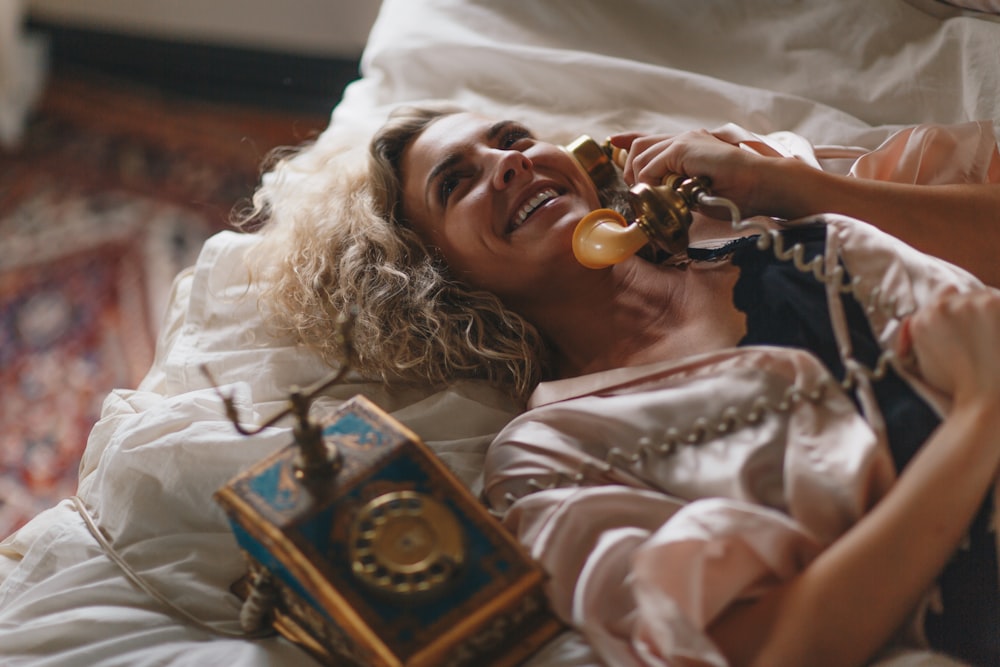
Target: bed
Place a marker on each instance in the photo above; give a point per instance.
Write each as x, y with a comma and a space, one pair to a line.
842, 76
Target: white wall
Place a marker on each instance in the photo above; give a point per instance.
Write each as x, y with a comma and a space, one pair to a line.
309, 27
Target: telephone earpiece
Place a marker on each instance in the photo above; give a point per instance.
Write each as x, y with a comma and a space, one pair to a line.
661, 213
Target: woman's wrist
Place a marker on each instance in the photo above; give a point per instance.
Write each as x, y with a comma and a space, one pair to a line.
788, 189
978, 419
980, 411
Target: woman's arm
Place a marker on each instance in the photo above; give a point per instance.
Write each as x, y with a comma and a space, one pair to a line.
959, 223
851, 599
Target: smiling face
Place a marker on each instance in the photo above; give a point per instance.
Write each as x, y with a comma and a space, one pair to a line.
498, 204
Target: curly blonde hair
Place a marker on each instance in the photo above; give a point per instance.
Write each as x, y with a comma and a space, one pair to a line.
335, 240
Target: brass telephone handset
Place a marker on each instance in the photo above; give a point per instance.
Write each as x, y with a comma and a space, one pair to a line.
661, 213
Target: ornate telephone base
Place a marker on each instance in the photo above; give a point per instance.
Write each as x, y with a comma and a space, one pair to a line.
391, 563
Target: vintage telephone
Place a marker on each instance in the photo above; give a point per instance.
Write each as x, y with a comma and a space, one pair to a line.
364, 549
661, 214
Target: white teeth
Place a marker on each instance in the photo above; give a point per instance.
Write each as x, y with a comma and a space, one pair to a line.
531, 205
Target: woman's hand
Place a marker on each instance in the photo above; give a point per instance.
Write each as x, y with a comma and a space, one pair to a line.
787, 188
955, 341
734, 173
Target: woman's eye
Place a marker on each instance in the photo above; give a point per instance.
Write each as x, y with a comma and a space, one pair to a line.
513, 136
449, 182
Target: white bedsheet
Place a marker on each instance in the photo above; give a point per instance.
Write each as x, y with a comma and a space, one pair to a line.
846, 73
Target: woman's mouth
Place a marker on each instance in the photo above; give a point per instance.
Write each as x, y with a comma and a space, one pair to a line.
530, 207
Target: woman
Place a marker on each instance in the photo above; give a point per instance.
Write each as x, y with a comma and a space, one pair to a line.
754, 535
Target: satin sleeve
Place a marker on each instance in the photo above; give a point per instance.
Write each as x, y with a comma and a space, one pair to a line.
926, 154
643, 575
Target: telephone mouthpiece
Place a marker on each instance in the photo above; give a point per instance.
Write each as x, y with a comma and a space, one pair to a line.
603, 237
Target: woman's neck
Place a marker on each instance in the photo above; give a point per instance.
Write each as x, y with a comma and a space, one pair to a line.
644, 313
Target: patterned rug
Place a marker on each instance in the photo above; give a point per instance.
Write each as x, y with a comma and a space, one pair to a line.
110, 194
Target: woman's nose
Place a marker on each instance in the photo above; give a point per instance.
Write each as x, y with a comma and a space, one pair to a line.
509, 165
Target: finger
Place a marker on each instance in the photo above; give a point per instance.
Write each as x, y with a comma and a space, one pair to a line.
623, 143
639, 151
623, 139
652, 165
